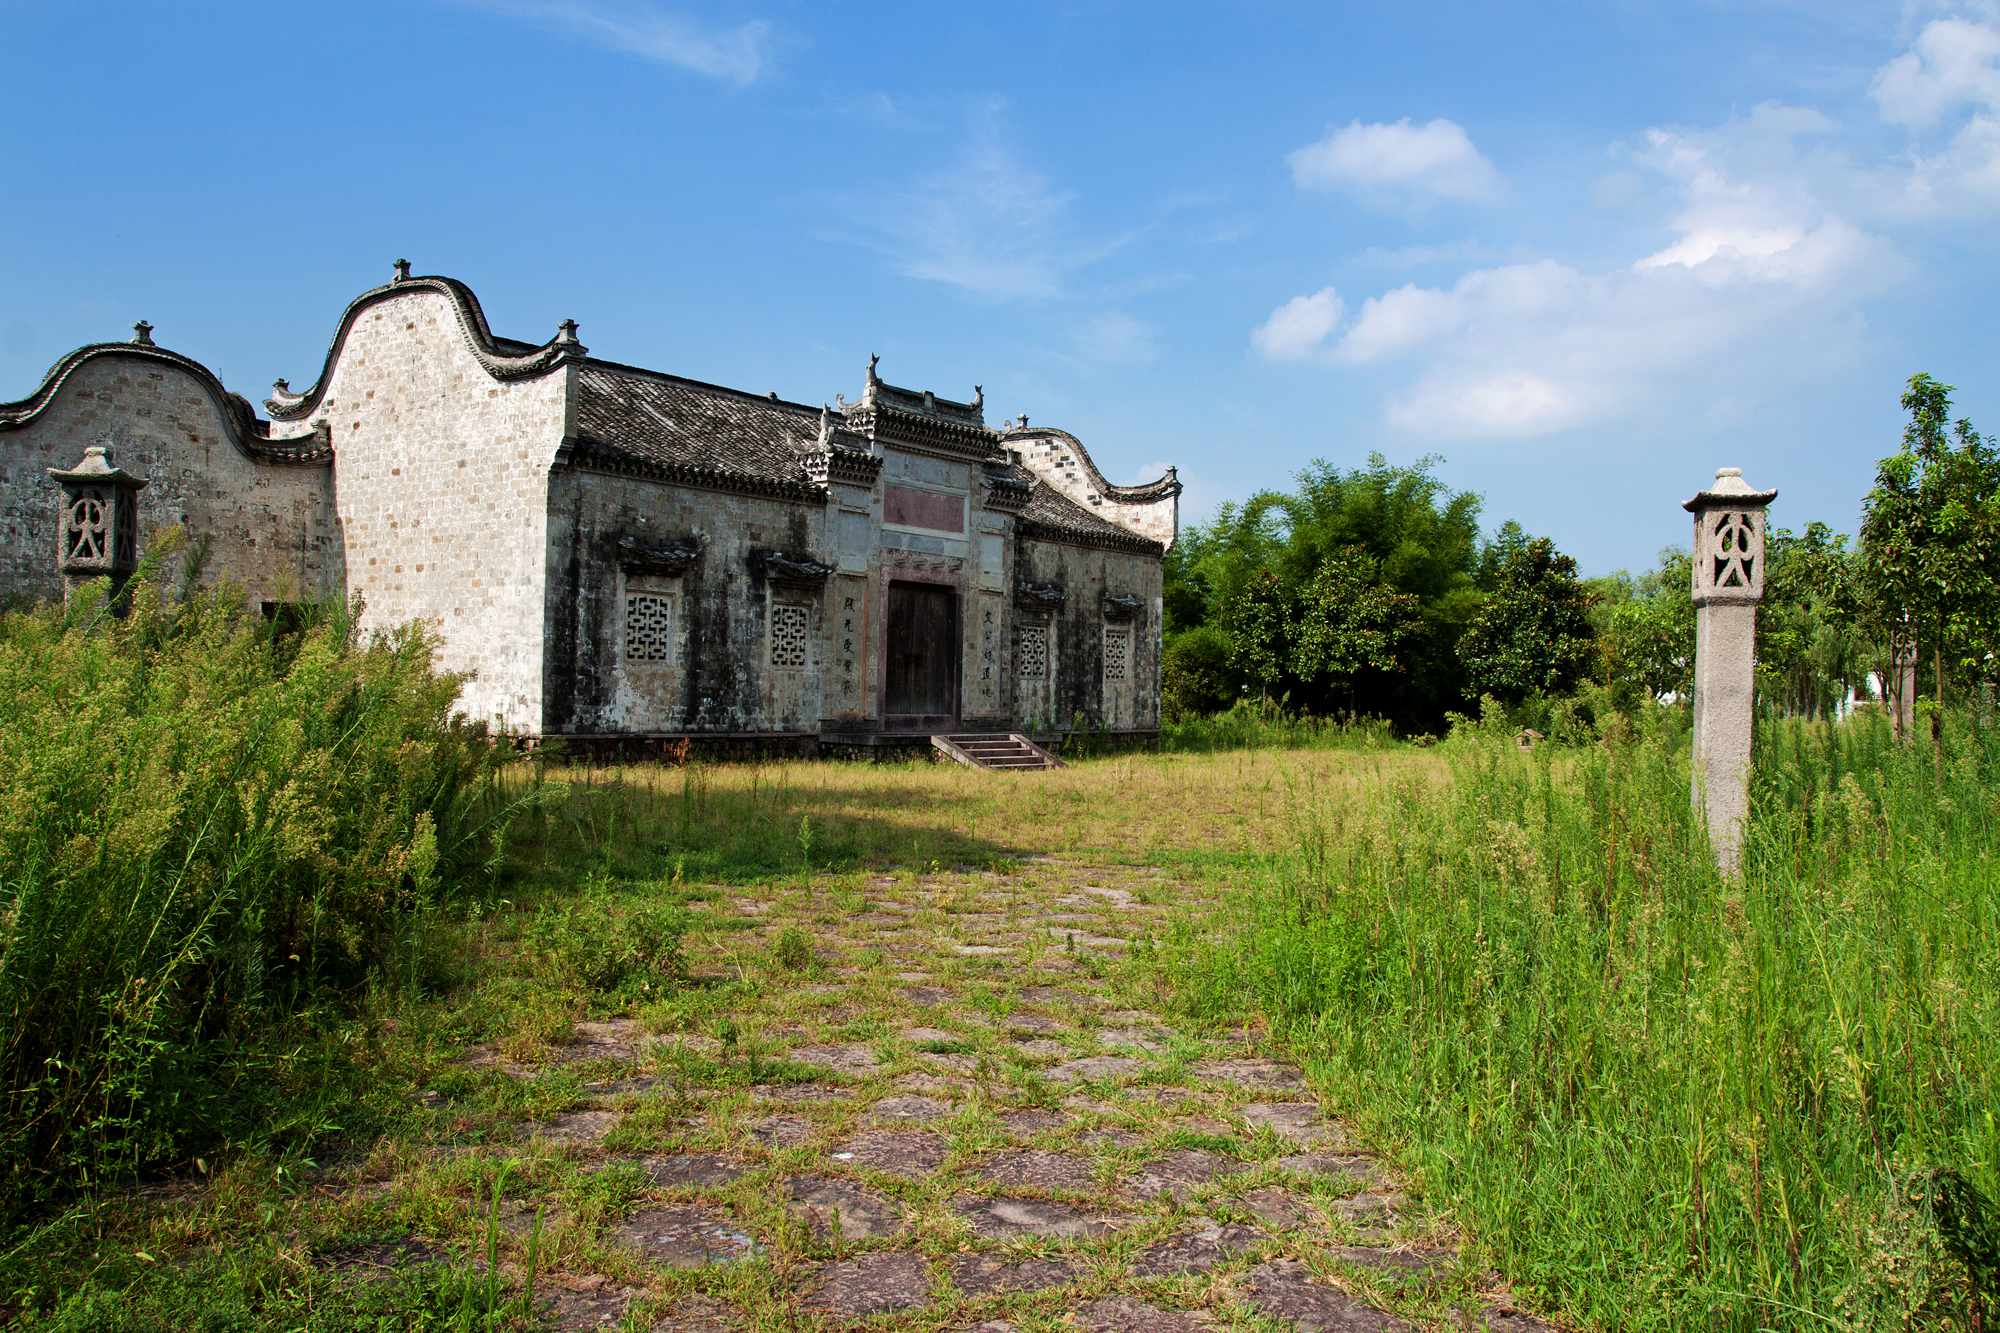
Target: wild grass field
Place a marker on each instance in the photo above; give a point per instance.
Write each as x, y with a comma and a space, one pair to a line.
1550, 1061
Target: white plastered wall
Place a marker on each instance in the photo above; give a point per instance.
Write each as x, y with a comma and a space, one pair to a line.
440, 494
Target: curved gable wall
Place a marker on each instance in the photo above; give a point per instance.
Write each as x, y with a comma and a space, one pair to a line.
270, 523
441, 491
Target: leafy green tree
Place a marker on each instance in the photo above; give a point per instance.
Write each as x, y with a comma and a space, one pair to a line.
1195, 675
1930, 538
1249, 572
1534, 635
1810, 651
1254, 620
1346, 622
1647, 634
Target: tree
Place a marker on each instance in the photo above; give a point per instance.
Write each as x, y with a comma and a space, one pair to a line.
1930, 538
1648, 634
1250, 572
1347, 622
1533, 636
1810, 652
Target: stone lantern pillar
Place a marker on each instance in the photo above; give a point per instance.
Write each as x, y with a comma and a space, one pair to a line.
97, 534
1728, 584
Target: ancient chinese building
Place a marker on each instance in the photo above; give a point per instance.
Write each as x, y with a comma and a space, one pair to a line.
617, 551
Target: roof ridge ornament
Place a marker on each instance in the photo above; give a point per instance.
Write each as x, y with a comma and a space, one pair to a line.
402, 270
142, 334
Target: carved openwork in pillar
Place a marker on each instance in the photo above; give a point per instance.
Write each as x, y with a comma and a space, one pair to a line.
1728, 584
97, 532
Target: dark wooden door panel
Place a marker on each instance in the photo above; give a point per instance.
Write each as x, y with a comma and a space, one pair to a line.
922, 651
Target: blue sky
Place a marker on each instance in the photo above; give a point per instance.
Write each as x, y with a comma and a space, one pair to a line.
1586, 253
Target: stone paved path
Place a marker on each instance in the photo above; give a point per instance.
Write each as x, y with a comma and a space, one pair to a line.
957, 1121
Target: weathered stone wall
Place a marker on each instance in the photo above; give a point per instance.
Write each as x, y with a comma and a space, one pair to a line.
1076, 679
270, 524
722, 672
441, 493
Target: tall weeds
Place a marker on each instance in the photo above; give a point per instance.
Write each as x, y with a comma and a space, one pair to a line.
212, 834
1666, 1099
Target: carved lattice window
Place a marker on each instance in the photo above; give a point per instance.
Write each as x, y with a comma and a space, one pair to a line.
649, 628
1117, 653
1736, 546
789, 628
1034, 663
87, 529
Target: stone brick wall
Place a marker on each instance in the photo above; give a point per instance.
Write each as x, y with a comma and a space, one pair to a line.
440, 493
270, 524
721, 676
1076, 645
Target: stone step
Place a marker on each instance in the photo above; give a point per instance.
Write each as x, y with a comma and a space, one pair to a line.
1008, 751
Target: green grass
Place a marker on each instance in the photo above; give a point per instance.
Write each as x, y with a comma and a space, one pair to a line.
1661, 1098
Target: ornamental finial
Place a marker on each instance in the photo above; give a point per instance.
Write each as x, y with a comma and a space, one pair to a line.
142, 334
402, 270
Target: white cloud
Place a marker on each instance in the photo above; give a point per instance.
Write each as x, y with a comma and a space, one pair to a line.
736, 55
1296, 330
1951, 64
1949, 79
1400, 163
1756, 276
987, 223
1114, 337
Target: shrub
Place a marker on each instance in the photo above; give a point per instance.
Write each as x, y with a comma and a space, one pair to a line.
212, 833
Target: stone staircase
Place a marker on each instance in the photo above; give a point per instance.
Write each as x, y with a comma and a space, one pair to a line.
996, 749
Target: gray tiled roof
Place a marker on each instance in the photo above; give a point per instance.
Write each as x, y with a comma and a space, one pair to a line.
679, 429
1053, 516
650, 424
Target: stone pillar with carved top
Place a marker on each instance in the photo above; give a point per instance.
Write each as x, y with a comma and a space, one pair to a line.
97, 529
1728, 584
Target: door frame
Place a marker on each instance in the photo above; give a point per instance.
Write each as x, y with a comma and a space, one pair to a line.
906, 572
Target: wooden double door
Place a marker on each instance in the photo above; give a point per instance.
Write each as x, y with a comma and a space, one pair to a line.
921, 690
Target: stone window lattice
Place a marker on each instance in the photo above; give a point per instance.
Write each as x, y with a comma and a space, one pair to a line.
649, 627
789, 628
1117, 653
1034, 664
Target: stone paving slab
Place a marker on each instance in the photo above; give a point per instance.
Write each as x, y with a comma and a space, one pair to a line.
1180, 1171
1207, 1244
985, 1274
1039, 1170
676, 1237
700, 1170
839, 1059
1011, 1218
1288, 1295
824, 1205
943, 1149
872, 1284
1123, 1314
909, 1153
910, 1109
